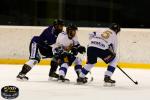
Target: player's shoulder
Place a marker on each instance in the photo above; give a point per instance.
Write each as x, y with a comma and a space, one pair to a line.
63, 33
109, 31
50, 27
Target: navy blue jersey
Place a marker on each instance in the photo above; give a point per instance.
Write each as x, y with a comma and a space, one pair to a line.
47, 37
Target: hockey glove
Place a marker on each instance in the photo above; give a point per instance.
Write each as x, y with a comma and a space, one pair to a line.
74, 51
58, 52
81, 49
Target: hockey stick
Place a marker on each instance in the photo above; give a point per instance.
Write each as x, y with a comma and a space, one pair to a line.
135, 82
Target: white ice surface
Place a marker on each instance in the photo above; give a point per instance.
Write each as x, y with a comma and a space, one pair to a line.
39, 88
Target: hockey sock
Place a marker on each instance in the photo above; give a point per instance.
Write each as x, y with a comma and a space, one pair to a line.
63, 69
53, 67
86, 69
25, 69
84, 72
31, 63
110, 71
78, 68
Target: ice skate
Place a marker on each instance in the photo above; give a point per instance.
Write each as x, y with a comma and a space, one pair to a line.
63, 79
22, 77
53, 76
81, 80
108, 82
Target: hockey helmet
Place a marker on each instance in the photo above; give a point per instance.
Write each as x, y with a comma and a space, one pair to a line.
58, 25
71, 30
115, 27
58, 22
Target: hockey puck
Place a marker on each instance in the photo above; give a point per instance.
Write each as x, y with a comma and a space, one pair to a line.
9, 92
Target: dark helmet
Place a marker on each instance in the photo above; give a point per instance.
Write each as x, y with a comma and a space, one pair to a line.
58, 22
71, 27
115, 27
71, 30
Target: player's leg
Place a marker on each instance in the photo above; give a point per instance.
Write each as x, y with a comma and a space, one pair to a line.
66, 57
91, 60
53, 68
109, 57
33, 60
77, 62
110, 70
67, 61
78, 66
25, 69
62, 72
47, 53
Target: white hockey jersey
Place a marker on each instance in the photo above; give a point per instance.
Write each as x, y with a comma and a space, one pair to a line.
103, 38
64, 42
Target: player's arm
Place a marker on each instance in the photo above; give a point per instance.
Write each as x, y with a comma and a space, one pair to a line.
91, 35
58, 48
77, 47
113, 45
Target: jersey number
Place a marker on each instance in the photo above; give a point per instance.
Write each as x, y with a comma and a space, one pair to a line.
106, 34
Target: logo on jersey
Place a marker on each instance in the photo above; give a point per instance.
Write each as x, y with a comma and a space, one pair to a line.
106, 34
98, 43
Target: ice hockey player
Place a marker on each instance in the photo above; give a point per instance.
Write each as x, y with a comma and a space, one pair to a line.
40, 47
66, 48
103, 44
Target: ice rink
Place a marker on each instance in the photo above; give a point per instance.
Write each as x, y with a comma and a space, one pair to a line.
39, 88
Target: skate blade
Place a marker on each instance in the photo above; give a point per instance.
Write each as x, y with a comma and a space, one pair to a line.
22, 80
52, 79
80, 83
61, 81
109, 84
